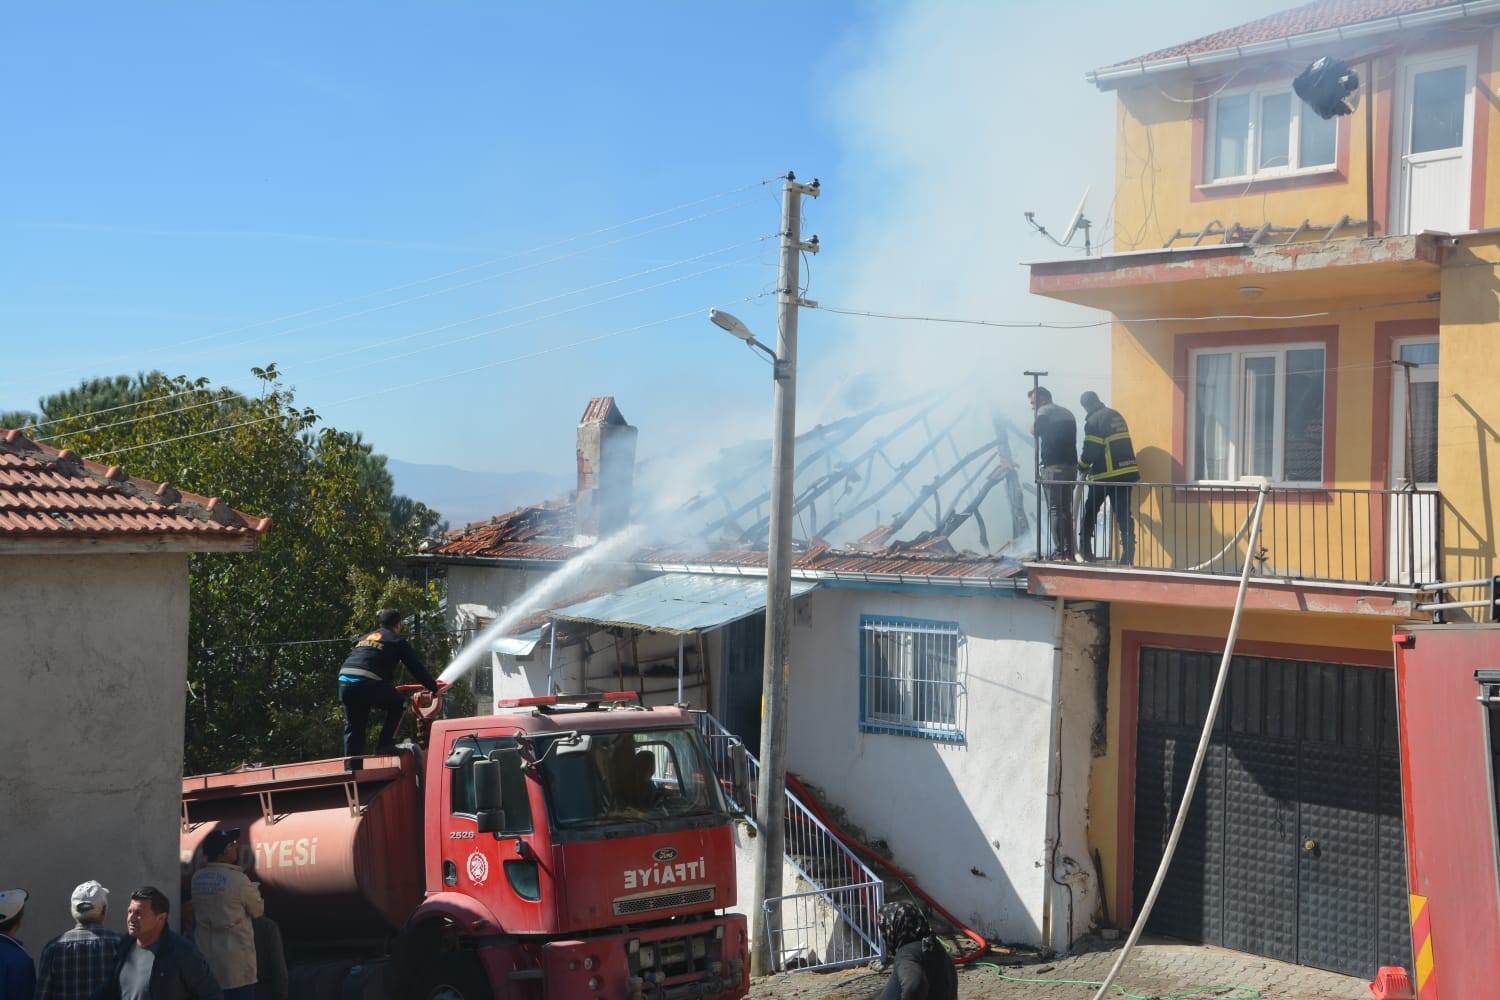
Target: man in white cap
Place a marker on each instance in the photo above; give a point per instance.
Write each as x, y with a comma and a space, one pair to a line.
17, 972
78, 963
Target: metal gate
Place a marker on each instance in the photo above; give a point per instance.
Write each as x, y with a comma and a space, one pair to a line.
1293, 847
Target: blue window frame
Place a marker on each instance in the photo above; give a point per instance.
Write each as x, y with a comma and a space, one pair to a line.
908, 677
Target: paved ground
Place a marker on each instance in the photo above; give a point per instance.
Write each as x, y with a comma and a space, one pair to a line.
1156, 969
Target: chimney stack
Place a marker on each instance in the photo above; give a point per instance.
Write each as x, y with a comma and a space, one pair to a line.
606, 471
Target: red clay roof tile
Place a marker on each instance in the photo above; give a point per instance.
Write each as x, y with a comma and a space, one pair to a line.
49, 493
1321, 15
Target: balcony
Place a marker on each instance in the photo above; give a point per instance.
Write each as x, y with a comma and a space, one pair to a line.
1367, 548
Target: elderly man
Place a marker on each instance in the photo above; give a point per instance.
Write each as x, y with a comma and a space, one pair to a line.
78, 963
17, 971
225, 902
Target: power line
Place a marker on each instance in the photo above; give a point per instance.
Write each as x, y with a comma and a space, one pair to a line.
477, 281
483, 333
448, 274
425, 381
1128, 320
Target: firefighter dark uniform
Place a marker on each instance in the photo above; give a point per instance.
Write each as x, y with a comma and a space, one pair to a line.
365, 684
1108, 463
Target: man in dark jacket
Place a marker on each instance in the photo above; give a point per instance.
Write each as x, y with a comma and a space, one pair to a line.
1057, 435
1108, 463
160, 965
17, 970
365, 683
920, 966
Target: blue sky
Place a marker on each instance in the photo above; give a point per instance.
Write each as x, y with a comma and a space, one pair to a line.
451, 224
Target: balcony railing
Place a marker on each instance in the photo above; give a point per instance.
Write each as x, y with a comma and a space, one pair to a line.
1376, 538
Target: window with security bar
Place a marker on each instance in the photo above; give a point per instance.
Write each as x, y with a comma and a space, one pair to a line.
908, 677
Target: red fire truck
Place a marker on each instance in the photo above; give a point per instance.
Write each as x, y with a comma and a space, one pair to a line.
565, 848
1448, 693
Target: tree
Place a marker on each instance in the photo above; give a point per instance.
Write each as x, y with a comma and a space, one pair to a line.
269, 628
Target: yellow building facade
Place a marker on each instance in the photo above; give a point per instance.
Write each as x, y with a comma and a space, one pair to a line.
1308, 307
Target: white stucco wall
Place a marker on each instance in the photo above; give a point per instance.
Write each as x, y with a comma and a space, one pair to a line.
967, 819
91, 729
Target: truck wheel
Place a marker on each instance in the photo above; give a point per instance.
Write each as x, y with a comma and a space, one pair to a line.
449, 976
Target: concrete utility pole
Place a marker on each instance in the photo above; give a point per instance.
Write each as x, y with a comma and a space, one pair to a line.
771, 793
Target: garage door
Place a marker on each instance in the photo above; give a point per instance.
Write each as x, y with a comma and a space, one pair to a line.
1293, 847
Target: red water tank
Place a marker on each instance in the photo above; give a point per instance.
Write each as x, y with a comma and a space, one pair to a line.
337, 852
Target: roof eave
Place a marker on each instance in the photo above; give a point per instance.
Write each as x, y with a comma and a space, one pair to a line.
1111, 77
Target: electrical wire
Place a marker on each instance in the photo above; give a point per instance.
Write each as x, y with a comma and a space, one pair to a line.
462, 270
1091, 324
470, 284
425, 381
527, 305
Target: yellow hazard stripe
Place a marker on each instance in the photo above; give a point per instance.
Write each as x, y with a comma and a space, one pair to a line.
1421, 935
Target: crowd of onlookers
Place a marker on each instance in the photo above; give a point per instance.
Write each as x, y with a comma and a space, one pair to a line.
231, 951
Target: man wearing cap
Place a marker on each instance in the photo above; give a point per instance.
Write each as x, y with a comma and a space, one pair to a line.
161, 965
365, 683
17, 971
1108, 462
225, 902
79, 962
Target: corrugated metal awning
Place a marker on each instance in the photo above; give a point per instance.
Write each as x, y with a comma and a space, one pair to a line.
517, 645
678, 603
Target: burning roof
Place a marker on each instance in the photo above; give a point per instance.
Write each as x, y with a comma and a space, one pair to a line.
917, 488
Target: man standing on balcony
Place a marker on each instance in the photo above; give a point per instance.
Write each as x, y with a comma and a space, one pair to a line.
1108, 463
1057, 433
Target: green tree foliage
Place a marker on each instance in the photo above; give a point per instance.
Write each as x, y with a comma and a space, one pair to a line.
268, 629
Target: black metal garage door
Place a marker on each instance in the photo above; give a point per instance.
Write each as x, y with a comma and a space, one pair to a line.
1293, 847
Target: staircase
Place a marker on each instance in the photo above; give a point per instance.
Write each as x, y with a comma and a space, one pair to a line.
830, 921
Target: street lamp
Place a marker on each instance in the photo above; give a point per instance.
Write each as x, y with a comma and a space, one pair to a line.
771, 788
770, 813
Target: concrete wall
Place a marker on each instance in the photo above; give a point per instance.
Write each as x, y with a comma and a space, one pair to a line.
91, 729
969, 820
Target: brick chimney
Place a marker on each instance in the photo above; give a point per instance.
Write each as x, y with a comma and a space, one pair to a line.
606, 471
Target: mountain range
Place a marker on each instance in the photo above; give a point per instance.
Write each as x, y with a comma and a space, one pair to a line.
463, 496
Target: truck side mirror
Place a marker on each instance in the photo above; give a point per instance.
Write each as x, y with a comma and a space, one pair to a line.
488, 802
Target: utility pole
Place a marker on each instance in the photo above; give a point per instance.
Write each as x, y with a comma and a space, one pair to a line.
771, 791
1036, 460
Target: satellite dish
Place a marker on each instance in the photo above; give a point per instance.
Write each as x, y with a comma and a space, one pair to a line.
1077, 219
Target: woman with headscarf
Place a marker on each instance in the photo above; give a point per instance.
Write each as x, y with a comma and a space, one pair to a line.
920, 966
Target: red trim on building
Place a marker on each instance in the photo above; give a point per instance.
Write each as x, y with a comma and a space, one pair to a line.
1130, 692
1203, 106
1184, 344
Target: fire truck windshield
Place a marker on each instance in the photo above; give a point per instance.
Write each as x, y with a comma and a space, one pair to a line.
627, 777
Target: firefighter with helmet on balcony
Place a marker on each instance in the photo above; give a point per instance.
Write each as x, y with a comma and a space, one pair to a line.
1108, 463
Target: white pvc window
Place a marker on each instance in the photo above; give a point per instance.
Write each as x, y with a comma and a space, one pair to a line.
1257, 412
908, 676
1265, 133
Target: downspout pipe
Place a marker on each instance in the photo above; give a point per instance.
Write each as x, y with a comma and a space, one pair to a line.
1054, 782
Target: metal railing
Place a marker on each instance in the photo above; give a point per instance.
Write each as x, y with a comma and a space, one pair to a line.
1488, 587
1379, 538
833, 922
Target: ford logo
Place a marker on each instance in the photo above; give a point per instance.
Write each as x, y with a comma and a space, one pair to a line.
665, 854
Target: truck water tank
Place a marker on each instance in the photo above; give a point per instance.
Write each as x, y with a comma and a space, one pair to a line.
338, 853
